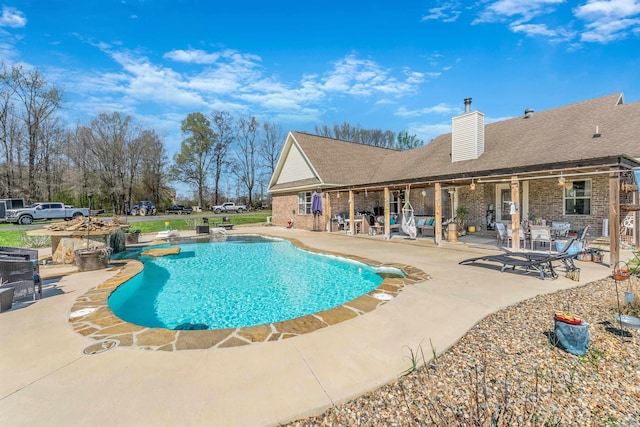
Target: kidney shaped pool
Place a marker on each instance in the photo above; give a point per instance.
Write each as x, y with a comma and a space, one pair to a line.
239, 282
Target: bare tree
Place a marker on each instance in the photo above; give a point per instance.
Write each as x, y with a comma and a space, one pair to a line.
10, 135
49, 174
222, 124
246, 157
349, 132
270, 148
38, 102
154, 167
111, 138
83, 179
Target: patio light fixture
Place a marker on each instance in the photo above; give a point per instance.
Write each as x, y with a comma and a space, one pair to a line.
561, 180
472, 186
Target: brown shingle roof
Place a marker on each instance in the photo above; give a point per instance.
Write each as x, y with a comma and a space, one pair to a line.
340, 162
560, 135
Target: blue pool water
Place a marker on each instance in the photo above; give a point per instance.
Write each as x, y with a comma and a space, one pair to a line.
241, 282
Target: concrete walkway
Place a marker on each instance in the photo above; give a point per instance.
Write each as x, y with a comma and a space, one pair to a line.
45, 378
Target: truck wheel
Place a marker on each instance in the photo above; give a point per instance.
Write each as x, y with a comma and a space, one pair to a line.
217, 211
25, 219
239, 210
77, 215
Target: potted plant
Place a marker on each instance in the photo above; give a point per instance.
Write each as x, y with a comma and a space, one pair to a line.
132, 235
461, 218
92, 258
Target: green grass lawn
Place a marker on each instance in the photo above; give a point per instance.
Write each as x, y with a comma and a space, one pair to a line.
19, 239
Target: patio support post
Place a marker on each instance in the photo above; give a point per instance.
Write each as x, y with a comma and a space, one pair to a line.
327, 211
352, 213
614, 218
515, 216
437, 232
387, 222
636, 217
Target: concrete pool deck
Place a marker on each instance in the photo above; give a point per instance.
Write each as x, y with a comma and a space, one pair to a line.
46, 377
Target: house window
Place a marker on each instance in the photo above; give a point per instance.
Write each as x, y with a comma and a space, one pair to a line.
304, 203
577, 198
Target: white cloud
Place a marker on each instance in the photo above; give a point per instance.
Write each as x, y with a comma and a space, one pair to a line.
533, 30
427, 132
615, 9
448, 12
12, 18
610, 20
364, 77
602, 21
524, 11
193, 56
436, 109
232, 81
144, 81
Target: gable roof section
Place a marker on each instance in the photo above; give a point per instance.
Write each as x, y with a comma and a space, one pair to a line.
311, 161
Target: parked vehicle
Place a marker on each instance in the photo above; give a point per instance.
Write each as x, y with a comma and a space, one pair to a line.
44, 211
228, 207
6, 204
145, 207
179, 210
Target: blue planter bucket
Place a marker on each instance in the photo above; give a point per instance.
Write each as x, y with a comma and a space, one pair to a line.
573, 249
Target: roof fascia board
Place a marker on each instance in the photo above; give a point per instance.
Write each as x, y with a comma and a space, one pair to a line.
322, 186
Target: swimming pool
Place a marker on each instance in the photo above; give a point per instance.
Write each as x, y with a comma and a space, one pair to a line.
240, 282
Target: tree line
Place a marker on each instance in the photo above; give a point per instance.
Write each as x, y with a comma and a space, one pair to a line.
119, 162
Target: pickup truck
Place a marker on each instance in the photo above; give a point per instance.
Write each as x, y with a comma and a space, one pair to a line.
228, 207
179, 210
44, 211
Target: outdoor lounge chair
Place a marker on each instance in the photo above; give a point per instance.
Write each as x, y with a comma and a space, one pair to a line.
19, 269
226, 223
530, 261
167, 234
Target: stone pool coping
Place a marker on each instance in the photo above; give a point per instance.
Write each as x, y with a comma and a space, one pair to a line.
91, 316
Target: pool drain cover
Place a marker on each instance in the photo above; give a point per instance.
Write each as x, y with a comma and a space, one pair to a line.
382, 296
100, 347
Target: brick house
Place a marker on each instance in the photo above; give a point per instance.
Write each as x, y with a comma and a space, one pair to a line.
570, 164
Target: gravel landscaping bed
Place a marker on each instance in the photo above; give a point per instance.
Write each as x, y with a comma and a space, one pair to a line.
506, 371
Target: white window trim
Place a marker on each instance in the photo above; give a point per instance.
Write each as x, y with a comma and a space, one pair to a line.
306, 204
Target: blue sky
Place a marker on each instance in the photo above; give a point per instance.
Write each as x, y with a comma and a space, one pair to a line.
390, 65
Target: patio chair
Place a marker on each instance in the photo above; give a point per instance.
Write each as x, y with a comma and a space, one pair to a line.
501, 234
542, 235
521, 234
560, 228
